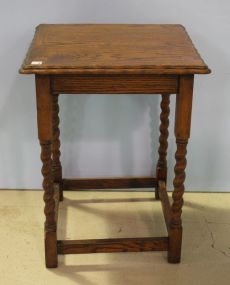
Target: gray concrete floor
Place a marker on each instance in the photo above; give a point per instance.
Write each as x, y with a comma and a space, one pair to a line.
206, 240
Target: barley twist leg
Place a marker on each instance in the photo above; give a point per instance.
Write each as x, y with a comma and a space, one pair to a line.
161, 171
56, 153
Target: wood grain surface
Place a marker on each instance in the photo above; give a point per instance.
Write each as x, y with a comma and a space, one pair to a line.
112, 245
112, 48
114, 84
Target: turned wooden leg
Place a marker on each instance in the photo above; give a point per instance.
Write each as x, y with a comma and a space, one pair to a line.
56, 166
175, 234
182, 133
49, 210
161, 171
45, 134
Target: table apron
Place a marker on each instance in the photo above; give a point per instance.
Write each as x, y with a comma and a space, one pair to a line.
114, 84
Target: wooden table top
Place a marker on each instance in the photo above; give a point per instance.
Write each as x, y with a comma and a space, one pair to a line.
112, 49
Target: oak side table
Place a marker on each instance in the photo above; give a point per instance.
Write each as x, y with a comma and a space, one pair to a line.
113, 59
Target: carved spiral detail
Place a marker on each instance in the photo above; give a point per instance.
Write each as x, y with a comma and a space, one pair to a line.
56, 166
163, 139
48, 186
178, 183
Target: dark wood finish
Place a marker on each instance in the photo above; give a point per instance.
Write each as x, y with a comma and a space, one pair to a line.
113, 59
113, 245
56, 197
112, 49
163, 195
114, 84
161, 171
109, 183
45, 134
182, 133
56, 153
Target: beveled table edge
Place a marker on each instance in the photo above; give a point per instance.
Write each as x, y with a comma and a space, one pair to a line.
172, 71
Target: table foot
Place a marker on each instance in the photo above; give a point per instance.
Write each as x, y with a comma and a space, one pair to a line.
51, 258
174, 251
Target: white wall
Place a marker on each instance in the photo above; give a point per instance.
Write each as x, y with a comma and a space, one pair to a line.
113, 135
